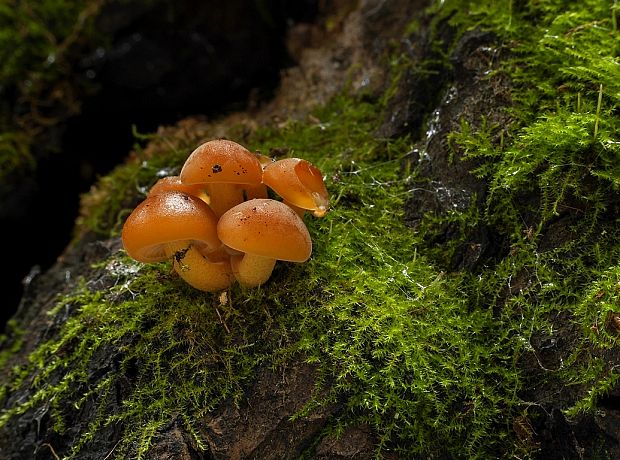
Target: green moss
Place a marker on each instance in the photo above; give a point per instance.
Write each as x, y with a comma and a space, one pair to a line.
562, 150
395, 337
429, 359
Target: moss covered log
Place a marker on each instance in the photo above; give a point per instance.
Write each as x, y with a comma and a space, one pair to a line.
461, 300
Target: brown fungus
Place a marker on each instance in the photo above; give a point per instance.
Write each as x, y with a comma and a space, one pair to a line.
178, 226
299, 183
264, 231
229, 172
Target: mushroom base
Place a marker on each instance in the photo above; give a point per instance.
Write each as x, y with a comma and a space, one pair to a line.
196, 270
251, 270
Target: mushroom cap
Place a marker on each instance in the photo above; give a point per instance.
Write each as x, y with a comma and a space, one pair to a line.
165, 218
221, 161
266, 228
174, 184
298, 182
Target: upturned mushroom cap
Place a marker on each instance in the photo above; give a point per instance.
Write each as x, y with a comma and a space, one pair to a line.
221, 161
266, 228
165, 218
299, 183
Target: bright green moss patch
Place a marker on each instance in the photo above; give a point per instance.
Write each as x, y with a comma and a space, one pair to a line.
598, 313
396, 337
553, 192
566, 73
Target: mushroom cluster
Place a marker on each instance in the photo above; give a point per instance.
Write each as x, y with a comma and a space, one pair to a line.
216, 222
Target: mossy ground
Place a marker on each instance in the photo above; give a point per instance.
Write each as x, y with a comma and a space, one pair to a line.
563, 150
430, 359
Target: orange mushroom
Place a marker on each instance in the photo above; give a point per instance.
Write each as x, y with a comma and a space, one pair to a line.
228, 171
176, 225
264, 231
299, 183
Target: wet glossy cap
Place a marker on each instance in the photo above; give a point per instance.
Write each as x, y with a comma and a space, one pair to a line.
221, 161
165, 218
266, 228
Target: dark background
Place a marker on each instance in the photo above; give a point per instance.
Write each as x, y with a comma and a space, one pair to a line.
162, 61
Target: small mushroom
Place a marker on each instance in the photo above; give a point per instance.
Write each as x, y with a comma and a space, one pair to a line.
176, 225
228, 171
299, 183
265, 231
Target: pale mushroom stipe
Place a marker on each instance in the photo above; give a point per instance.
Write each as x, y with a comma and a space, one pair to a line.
216, 223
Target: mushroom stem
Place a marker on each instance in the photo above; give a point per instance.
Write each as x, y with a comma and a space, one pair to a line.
252, 191
252, 270
196, 270
222, 197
